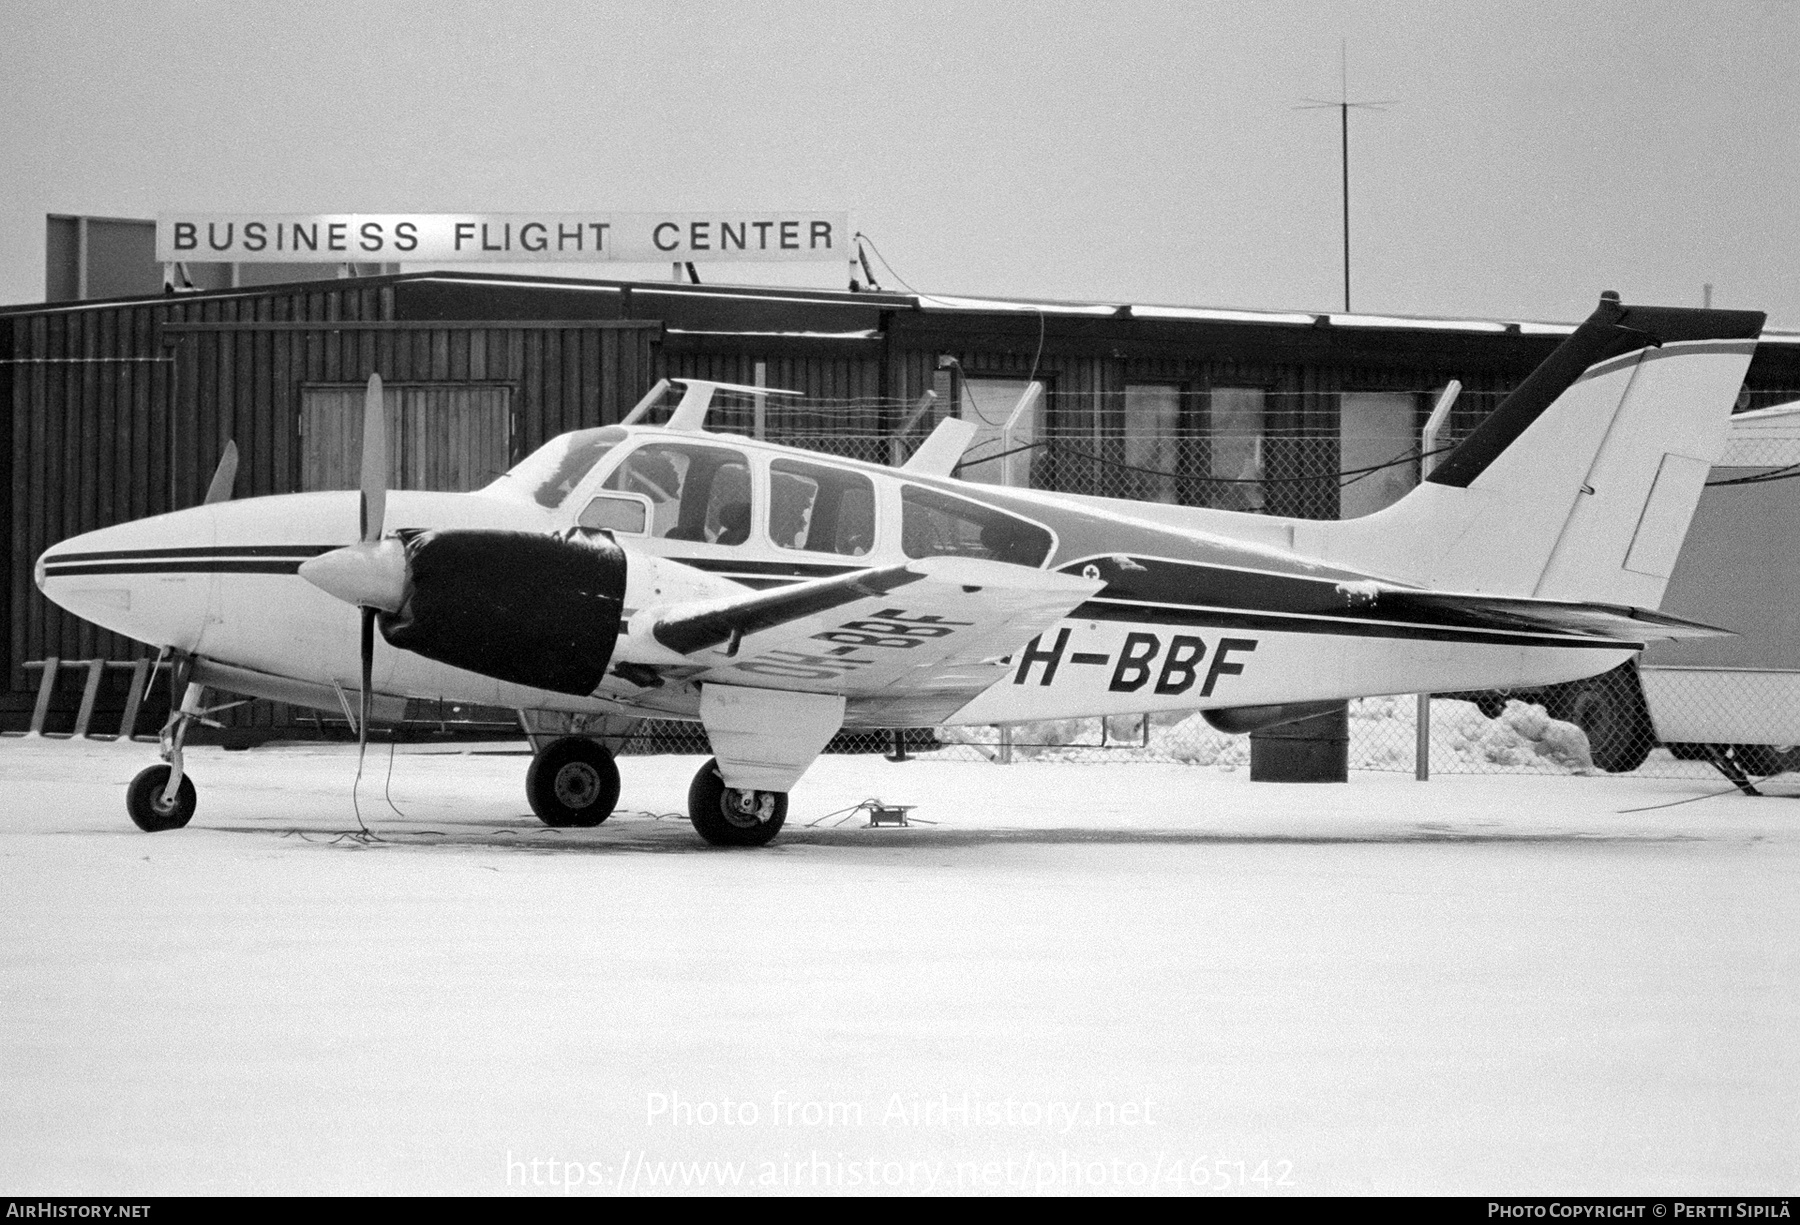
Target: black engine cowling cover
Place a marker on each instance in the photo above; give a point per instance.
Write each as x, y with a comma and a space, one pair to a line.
531, 608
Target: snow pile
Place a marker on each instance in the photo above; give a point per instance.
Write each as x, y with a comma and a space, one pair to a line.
1522, 738
1383, 736
1179, 736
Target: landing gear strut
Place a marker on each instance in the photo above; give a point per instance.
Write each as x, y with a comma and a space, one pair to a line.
162, 797
726, 816
572, 783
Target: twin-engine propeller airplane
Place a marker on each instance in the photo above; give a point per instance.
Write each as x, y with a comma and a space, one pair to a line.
777, 595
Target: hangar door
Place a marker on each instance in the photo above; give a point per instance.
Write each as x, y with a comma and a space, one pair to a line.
452, 438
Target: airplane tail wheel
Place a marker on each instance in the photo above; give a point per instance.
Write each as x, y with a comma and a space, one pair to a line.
573, 783
726, 816
144, 801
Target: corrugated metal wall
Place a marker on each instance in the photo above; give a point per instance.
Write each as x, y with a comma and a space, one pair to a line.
121, 411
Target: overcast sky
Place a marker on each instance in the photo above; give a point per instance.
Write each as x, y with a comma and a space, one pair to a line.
1537, 153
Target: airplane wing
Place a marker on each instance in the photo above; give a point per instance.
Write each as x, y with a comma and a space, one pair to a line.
1611, 621
938, 626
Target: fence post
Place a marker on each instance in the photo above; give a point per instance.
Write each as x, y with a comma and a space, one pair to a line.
1428, 443
1034, 391
760, 423
1422, 748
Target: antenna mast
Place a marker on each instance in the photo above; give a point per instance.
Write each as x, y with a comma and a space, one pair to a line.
1343, 106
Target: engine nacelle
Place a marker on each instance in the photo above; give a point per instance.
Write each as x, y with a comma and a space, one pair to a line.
525, 607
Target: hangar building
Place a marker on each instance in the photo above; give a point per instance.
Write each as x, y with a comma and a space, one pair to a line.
116, 409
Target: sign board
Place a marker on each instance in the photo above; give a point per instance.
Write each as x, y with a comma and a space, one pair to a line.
634, 238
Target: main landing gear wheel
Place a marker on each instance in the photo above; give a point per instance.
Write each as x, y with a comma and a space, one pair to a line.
726, 816
573, 783
144, 801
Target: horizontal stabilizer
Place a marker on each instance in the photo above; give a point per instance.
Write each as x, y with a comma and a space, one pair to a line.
938, 455
697, 396
1616, 622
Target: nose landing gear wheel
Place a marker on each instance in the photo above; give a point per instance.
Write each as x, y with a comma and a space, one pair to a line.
144, 801
573, 783
726, 816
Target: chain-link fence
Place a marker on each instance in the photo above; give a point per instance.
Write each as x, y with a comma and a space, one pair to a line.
1304, 454
1328, 455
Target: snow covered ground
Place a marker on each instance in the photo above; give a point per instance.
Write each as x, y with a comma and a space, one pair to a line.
1081, 978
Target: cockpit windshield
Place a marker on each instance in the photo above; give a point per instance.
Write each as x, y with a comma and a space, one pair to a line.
550, 473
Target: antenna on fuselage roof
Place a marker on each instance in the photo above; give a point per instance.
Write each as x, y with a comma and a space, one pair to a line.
690, 414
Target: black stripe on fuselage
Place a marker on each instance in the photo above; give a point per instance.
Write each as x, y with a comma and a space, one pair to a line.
224, 551
1219, 591
198, 559
1157, 580
219, 565
1347, 627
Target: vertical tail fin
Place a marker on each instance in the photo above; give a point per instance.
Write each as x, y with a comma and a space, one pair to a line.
1581, 484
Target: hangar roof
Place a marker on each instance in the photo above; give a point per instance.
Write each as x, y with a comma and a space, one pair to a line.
828, 302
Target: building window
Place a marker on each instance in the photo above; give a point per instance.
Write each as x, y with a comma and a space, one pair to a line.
1375, 427
989, 403
1235, 451
1152, 442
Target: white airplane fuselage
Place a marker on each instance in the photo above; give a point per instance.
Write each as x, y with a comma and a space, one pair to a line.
1187, 620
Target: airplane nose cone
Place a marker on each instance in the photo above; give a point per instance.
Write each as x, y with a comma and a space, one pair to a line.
148, 579
366, 575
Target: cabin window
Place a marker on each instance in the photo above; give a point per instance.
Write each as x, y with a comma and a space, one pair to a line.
698, 493
820, 509
934, 524
617, 512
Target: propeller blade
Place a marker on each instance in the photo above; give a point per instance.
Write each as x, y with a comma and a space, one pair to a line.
374, 462
224, 477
